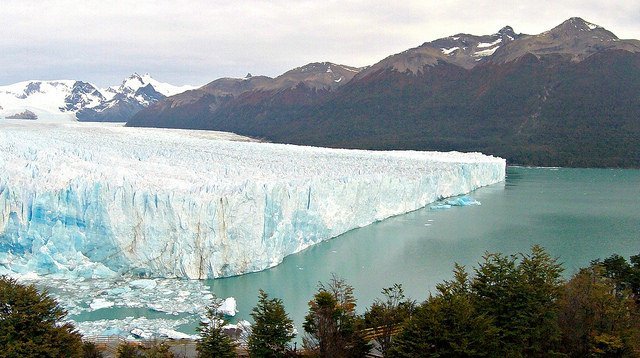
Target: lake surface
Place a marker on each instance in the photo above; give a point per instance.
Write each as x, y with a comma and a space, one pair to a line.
577, 214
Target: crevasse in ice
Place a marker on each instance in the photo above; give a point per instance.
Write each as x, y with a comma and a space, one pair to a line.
88, 200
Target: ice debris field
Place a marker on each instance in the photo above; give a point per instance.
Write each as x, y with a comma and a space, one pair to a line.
100, 201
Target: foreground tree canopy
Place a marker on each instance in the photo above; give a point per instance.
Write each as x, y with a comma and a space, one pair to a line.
332, 327
519, 306
509, 306
32, 324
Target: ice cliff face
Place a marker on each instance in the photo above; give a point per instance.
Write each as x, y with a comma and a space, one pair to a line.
102, 200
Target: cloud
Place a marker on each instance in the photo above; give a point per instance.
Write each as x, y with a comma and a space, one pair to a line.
197, 41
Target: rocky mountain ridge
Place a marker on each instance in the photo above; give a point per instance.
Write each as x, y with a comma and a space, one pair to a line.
301, 85
564, 97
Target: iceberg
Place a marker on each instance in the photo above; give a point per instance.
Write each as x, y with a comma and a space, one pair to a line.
228, 307
89, 200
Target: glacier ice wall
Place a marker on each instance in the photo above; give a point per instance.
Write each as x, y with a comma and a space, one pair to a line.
92, 200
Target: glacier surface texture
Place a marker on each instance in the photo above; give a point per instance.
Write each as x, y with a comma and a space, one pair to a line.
98, 201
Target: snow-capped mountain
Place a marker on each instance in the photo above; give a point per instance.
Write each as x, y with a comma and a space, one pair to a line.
78, 100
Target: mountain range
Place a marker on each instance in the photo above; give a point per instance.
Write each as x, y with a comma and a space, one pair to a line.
78, 100
566, 97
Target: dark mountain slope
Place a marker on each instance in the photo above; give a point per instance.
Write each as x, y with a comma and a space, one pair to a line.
251, 96
540, 111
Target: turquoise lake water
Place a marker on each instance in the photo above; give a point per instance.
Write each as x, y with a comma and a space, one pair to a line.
577, 214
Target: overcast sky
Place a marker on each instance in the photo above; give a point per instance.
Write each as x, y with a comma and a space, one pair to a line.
197, 41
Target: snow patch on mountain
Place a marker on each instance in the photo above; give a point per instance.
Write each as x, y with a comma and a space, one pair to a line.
136, 81
448, 51
485, 53
489, 44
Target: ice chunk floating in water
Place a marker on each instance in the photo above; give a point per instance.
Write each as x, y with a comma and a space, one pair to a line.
457, 201
88, 200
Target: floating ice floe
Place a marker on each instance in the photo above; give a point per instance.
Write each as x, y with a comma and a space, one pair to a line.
170, 296
141, 328
456, 201
99, 303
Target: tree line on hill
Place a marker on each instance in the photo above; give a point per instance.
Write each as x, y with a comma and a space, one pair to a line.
510, 306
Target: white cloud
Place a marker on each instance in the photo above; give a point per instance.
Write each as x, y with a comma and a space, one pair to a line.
197, 41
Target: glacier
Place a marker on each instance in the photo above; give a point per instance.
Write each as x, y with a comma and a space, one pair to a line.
90, 200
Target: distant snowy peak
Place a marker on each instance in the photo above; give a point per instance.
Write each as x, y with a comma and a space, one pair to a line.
134, 82
46, 99
79, 100
82, 95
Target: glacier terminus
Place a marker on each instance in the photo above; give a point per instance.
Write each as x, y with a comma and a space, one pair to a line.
102, 200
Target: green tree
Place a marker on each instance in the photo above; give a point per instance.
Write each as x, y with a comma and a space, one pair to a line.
447, 325
508, 309
272, 329
542, 278
625, 275
32, 324
332, 326
520, 298
213, 341
385, 315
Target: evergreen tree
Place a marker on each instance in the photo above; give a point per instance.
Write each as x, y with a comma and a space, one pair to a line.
508, 309
213, 341
32, 324
332, 325
272, 329
541, 275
